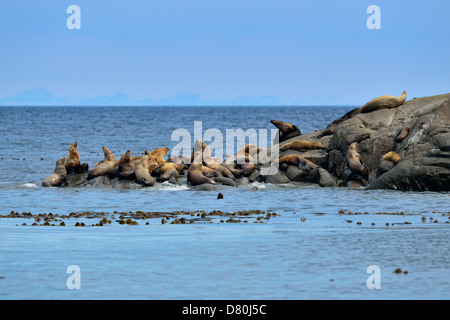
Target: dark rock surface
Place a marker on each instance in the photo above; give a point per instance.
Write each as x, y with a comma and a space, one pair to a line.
425, 152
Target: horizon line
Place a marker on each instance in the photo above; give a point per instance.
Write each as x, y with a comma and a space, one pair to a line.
172, 106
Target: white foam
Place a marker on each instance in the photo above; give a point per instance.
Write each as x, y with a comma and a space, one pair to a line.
166, 185
259, 185
29, 185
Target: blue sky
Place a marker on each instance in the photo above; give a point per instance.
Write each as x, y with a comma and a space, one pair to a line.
217, 52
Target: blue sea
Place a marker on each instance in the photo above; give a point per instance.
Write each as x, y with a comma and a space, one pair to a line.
309, 250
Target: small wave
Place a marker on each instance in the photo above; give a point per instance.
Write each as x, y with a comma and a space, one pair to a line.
29, 185
166, 185
259, 185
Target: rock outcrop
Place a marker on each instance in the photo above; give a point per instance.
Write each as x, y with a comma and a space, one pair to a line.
424, 152
401, 147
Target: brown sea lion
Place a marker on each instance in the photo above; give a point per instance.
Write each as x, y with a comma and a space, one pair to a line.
402, 134
58, 177
158, 155
353, 161
196, 177
246, 162
197, 171
180, 160
392, 156
384, 102
302, 145
295, 160
142, 172
170, 172
208, 160
103, 168
126, 167
286, 130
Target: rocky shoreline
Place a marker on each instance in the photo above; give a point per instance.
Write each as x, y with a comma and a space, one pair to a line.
389, 143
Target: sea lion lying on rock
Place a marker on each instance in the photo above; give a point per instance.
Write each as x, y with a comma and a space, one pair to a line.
205, 157
170, 172
384, 102
302, 145
103, 168
391, 156
58, 177
402, 134
387, 162
295, 160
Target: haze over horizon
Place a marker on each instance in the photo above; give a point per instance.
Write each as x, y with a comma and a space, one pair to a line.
221, 53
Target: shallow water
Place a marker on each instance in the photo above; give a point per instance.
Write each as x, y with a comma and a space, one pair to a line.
322, 257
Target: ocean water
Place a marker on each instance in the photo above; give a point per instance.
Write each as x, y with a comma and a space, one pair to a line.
308, 251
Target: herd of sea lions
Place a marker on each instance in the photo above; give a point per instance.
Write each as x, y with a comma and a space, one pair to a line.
202, 168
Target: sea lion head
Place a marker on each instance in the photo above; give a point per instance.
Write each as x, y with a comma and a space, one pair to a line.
109, 156
60, 168
126, 157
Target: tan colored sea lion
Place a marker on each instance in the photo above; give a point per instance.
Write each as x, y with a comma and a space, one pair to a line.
302, 145
180, 160
58, 176
402, 134
353, 161
103, 168
142, 172
384, 102
208, 160
195, 175
392, 156
126, 167
170, 172
295, 160
198, 173
286, 130
158, 155
73, 162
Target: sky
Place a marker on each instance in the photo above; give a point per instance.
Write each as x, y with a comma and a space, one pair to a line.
217, 52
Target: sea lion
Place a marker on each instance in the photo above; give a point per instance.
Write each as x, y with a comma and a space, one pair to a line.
384, 102
246, 162
392, 156
225, 181
58, 177
181, 161
142, 172
286, 130
196, 173
170, 172
206, 158
295, 160
152, 164
302, 145
73, 163
103, 168
353, 161
402, 134
126, 167
158, 155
